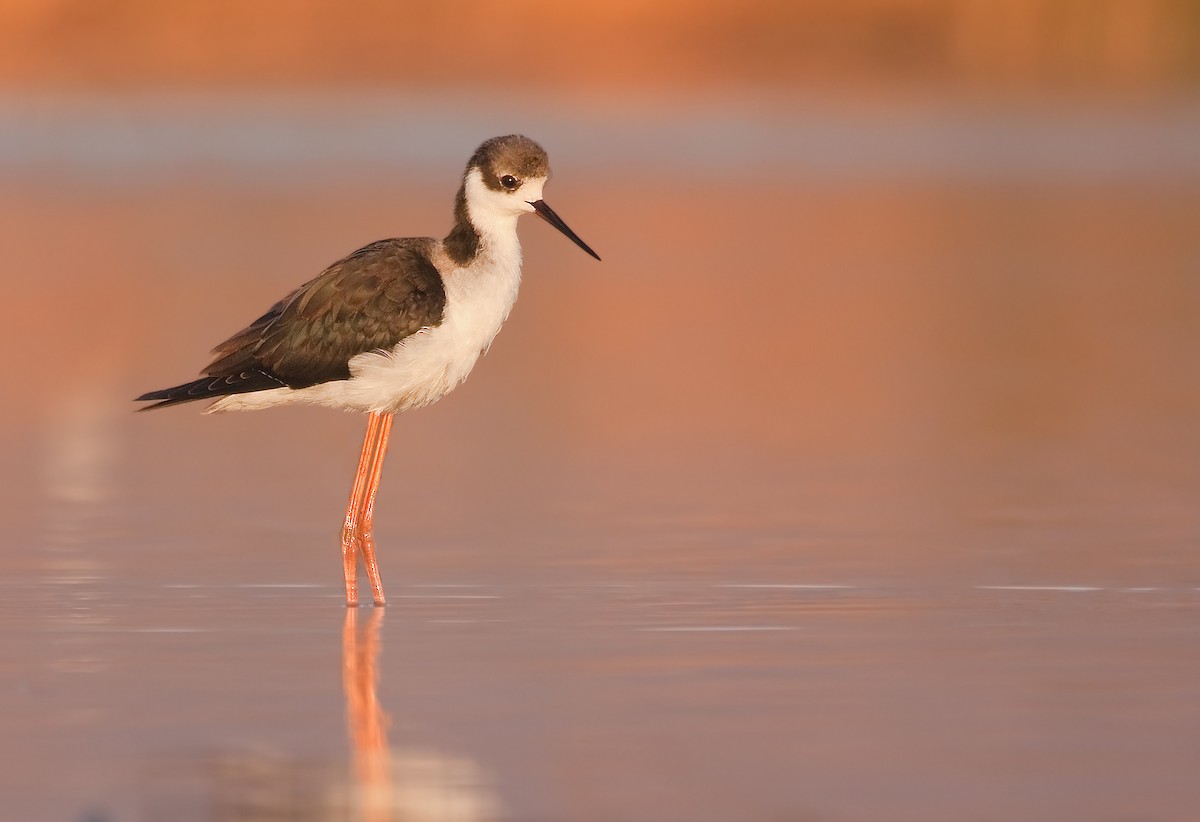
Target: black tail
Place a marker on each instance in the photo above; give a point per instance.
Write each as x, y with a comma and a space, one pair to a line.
209, 388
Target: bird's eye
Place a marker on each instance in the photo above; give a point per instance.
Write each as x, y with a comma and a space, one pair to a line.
510, 182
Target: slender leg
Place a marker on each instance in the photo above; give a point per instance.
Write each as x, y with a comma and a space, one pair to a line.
350, 530
368, 511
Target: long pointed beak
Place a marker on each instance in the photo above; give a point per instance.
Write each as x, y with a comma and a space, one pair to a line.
547, 213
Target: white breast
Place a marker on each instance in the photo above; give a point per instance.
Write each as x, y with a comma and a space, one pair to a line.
426, 366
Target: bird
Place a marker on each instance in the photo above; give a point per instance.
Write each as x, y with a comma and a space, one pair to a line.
396, 325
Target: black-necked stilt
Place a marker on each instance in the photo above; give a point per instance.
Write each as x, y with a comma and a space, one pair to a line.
395, 325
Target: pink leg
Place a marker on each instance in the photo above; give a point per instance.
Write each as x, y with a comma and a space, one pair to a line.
351, 539
368, 511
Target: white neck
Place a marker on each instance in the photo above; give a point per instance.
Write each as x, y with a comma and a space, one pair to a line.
497, 226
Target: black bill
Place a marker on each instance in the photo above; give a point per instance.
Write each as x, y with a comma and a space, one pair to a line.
547, 213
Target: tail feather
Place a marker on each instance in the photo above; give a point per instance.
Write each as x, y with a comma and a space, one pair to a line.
210, 388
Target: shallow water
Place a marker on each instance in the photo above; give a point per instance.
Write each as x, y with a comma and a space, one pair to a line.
822, 497
657, 699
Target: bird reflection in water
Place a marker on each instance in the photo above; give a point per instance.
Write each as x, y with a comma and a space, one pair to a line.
403, 784
378, 783
367, 723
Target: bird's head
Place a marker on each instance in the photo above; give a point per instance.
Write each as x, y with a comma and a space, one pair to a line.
504, 180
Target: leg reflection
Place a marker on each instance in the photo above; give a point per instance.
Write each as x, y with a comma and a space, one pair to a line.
403, 784
366, 720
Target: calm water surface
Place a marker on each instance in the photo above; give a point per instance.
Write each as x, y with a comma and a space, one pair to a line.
819, 498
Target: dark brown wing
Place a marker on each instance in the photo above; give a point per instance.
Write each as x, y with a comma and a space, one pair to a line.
368, 301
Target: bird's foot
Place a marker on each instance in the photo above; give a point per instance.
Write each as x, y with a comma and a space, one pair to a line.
354, 542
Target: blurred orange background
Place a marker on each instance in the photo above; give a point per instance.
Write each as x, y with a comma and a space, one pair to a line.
887, 227
615, 47
928, 245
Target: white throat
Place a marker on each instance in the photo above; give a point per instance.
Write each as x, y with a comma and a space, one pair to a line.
494, 213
